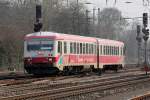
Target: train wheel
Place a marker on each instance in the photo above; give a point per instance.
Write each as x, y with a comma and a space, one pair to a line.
116, 69
99, 71
65, 71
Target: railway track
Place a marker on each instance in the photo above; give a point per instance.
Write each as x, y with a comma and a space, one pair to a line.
25, 78
142, 97
76, 89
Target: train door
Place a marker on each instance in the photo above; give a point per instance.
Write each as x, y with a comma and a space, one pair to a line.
60, 53
99, 70
97, 47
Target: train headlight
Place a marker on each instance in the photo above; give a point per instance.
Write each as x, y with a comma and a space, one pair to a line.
29, 59
50, 59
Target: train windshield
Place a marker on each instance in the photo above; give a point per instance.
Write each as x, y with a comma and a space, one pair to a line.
40, 45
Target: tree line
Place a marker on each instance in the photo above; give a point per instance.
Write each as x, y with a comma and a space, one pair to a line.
17, 19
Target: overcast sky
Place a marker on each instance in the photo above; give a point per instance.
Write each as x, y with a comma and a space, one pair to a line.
134, 9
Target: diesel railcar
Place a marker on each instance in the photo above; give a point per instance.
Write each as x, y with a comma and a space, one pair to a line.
51, 52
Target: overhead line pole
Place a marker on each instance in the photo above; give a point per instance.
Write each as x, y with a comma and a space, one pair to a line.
78, 24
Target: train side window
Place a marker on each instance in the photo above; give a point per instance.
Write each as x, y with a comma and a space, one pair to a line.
92, 48
59, 47
77, 48
101, 49
80, 48
71, 49
104, 50
108, 50
95, 49
87, 49
89, 46
118, 50
115, 51
65, 47
121, 50
83, 48
111, 50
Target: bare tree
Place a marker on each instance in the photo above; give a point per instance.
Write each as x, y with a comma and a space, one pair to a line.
111, 23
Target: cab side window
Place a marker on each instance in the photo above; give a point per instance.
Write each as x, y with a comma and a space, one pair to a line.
59, 47
65, 47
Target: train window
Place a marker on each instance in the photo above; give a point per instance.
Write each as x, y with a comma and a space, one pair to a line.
83, 48
87, 48
118, 50
121, 50
113, 50
101, 49
65, 47
59, 47
104, 50
77, 48
94, 49
80, 48
108, 50
71, 49
92, 52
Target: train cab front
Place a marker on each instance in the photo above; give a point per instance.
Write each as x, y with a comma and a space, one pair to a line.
39, 56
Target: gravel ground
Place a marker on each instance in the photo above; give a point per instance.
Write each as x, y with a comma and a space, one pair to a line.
125, 93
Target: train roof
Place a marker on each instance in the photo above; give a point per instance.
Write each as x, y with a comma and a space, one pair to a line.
61, 36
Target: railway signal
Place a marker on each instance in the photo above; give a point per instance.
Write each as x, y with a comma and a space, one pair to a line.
145, 19
139, 40
38, 24
145, 30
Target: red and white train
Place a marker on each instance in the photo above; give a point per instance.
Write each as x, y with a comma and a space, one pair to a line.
50, 52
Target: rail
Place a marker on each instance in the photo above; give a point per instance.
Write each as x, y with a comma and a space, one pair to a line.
142, 97
79, 89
